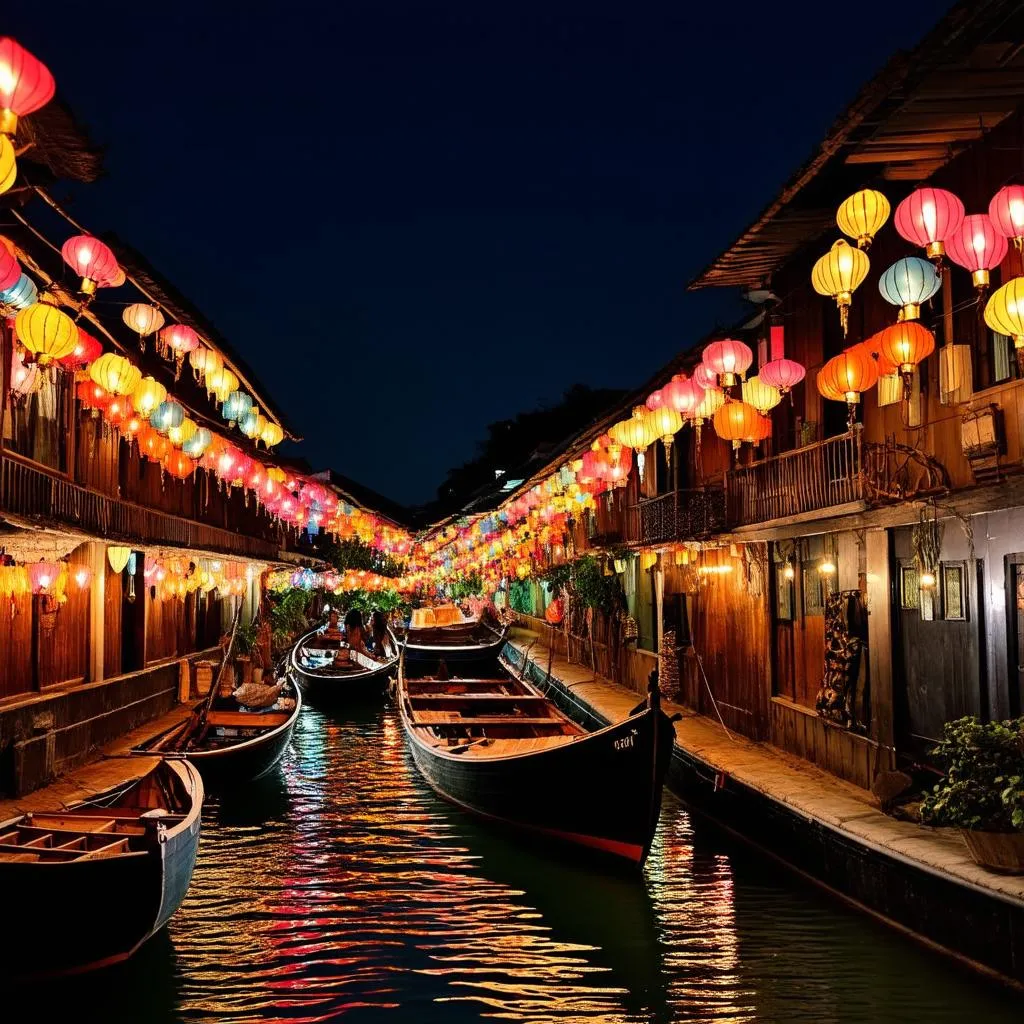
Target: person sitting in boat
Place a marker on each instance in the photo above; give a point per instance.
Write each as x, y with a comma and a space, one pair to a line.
332, 632
354, 632
381, 638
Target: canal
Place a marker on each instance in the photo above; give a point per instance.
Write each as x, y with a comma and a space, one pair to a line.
341, 888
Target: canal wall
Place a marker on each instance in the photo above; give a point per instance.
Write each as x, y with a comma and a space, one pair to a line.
918, 879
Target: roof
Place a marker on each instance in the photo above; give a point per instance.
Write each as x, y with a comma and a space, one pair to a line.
921, 111
57, 143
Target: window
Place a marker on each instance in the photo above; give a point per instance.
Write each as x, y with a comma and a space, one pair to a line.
910, 587
954, 592
37, 425
783, 593
814, 589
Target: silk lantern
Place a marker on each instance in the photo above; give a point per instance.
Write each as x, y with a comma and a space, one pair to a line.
87, 349
908, 283
727, 360
147, 396
271, 434
8, 164
22, 294
862, 215
666, 423
1004, 312
237, 406
91, 260
24, 378
682, 394
927, 217
1007, 212
167, 415
978, 247
204, 360
144, 320
46, 332
782, 373
115, 374
905, 345
736, 422
838, 274
849, 374
762, 396
10, 269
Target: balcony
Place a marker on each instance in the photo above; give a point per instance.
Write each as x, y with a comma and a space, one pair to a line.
31, 491
680, 515
810, 479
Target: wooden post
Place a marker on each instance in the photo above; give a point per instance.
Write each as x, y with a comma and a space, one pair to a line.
880, 645
97, 597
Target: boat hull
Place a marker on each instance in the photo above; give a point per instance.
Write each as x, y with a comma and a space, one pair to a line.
462, 651
245, 762
601, 791
324, 689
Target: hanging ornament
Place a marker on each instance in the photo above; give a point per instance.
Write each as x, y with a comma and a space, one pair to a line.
838, 274
271, 434
144, 320
728, 360
46, 332
1004, 313
908, 283
736, 422
115, 374
237, 406
927, 217
86, 350
1007, 212
862, 215
761, 395
176, 342
783, 374
166, 416
849, 374
204, 360
978, 247
147, 396
904, 346
25, 85
91, 260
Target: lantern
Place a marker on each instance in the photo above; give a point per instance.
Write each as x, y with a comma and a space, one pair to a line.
10, 269
178, 464
183, 432
144, 320
838, 274
762, 396
22, 294
196, 445
237, 406
152, 445
117, 279
221, 383
978, 247
736, 422
1004, 312
271, 434
909, 282
682, 394
927, 217
655, 400
862, 215
849, 374
166, 416
249, 424
23, 378
782, 373
1007, 212
637, 433
91, 260
904, 345
704, 378
43, 576
8, 164
82, 576
46, 332
666, 423
204, 360
727, 360
115, 374
147, 396
86, 350
25, 84
118, 557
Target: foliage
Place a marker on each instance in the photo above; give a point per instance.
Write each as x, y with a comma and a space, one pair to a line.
470, 585
520, 596
367, 601
585, 581
288, 616
245, 637
983, 789
354, 554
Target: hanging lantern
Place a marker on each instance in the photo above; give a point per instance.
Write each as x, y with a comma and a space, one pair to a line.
762, 431
221, 383
249, 423
905, 345
682, 394
704, 378
46, 332
24, 378
978, 247
183, 432
144, 320
8, 164
655, 400
849, 374
782, 373
736, 422
91, 260
1004, 312
153, 445
25, 84
10, 269
195, 446
927, 217
727, 360
115, 374
166, 416
43, 576
117, 279
147, 396
838, 274
862, 215
176, 342
909, 282
118, 557
178, 464
666, 423
204, 360
237, 406
762, 396
1007, 212
87, 349
636, 433
20, 295
271, 434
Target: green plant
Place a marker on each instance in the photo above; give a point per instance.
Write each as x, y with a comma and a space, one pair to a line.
983, 789
520, 596
245, 637
354, 554
469, 585
593, 589
288, 616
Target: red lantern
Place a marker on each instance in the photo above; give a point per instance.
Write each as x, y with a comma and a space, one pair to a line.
704, 378
25, 84
927, 217
10, 270
153, 445
87, 350
92, 396
728, 360
655, 400
978, 247
91, 260
43, 576
782, 373
228, 462
555, 612
682, 394
178, 464
1007, 213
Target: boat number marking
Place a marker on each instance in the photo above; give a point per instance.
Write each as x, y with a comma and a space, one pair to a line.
625, 742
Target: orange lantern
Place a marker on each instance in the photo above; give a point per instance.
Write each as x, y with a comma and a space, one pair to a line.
848, 374
736, 422
178, 464
904, 346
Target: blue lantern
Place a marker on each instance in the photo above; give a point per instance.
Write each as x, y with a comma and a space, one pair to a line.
197, 444
909, 282
237, 407
166, 417
22, 294
249, 424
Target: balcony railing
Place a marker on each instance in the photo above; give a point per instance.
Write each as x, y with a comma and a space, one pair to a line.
809, 479
680, 515
29, 490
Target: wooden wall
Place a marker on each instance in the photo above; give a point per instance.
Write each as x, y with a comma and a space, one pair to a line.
112, 622
16, 646
63, 638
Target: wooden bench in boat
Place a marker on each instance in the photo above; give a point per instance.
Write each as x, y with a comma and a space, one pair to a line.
246, 719
433, 719
436, 699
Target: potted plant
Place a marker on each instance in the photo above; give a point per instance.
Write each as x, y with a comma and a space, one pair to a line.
982, 792
245, 642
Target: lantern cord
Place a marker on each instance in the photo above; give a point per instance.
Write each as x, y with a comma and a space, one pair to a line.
714, 702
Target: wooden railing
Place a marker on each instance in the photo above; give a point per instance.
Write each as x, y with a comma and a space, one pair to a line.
681, 515
29, 490
819, 476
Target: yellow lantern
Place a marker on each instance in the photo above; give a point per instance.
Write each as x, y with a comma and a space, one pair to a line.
115, 374
277, 474
763, 397
183, 432
220, 383
271, 434
637, 433
1004, 311
148, 395
143, 319
838, 274
648, 559
118, 557
203, 361
8, 167
666, 423
862, 215
46, 332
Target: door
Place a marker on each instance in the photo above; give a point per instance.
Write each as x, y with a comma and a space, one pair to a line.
1015, 632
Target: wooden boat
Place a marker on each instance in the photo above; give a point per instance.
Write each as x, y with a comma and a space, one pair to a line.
86, 886
443, 633
229, 743
500, 748
322, 679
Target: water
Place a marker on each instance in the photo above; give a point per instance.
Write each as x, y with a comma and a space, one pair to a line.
341, 888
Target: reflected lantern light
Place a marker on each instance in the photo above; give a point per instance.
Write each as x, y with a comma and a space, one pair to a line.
978, 247
927, 217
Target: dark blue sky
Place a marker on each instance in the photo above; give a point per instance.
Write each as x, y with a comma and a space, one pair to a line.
413, 219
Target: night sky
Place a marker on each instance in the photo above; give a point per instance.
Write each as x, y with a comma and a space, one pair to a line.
413, 219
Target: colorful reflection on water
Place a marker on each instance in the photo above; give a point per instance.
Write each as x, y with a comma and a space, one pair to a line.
343, 889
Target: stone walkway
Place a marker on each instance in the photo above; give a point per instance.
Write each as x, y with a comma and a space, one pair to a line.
780, 776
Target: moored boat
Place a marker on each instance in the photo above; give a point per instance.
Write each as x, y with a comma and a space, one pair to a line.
500, 748
324, 676
85, 886
442, 632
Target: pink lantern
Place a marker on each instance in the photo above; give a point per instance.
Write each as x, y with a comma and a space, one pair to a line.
978, 247
927, 217
1007, 213
704, 378
682, 394
783, 374
10, 270
91, 260
728, 360
655, 400
44, 576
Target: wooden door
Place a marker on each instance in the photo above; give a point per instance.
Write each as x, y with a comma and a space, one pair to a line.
1015, 631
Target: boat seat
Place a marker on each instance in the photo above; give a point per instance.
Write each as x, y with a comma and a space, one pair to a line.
246, 719
429, 699
424, 723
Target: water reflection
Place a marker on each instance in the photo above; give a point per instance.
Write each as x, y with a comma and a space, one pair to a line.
341, 888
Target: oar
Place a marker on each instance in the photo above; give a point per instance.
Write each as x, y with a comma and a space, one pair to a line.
197, 722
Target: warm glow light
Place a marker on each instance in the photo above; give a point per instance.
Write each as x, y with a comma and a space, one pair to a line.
118, 557
862, 215
46, 332
908, 283
826, 567
927, 580
927, 217
838, 274
789, 572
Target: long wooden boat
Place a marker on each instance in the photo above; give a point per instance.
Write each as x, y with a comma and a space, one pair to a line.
500, 748
229, 743
476, 640
86, 886
313, 666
